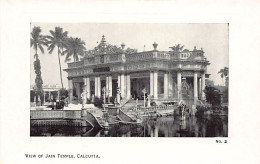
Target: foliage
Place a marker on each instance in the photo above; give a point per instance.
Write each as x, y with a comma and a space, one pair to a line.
57, 39
177, 48
98, 101
212, 95
64, 93
37, 40
225, 96
75, 47
224, 72
112, 99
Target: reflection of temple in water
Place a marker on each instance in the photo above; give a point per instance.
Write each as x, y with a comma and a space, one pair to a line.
211, 126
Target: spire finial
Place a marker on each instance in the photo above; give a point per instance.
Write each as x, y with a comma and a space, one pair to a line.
155, 45
123, 45
103, 39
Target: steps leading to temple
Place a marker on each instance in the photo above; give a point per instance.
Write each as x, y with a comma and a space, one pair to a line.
132, 103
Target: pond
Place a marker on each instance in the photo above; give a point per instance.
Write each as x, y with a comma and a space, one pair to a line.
174, 126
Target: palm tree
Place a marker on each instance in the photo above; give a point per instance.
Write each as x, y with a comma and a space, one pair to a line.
224, 72
221, 72
37, 41
75, 47
57, 39
177, 48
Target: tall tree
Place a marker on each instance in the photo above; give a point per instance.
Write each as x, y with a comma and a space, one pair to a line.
75, 47
57, 39
37, 41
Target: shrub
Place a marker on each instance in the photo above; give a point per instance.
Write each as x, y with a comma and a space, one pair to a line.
98, 102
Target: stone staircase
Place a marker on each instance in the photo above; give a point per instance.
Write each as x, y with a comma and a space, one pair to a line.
101, 121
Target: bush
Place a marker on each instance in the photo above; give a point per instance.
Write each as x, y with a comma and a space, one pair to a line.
63, 94
112, 99
98, 102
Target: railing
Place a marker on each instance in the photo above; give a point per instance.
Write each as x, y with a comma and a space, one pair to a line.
139, 56
93, 120
55, 114
163, 55
152, 108
125, 117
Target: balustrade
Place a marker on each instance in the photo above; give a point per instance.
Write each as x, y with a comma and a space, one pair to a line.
55, 114
139, 56
75, 64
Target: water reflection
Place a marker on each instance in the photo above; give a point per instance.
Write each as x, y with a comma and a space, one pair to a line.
207, 126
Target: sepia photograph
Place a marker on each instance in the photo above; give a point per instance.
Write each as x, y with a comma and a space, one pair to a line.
129, 79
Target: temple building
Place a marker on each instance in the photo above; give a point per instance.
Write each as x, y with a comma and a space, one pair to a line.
163, 75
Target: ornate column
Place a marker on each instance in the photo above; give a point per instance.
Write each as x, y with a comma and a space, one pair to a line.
195, 85
166, 84
110, 85
128, 85
170, 89
119, 81
70, 92
151, 83
88, 87
98, 87
125, 85
43, 97
199, 88
203, 97
107, 83
122, 84
78, 90
179, 85
155, 83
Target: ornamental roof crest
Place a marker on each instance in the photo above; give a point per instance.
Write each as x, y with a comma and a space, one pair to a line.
106, 48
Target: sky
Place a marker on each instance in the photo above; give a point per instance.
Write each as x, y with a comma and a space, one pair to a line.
213, 38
